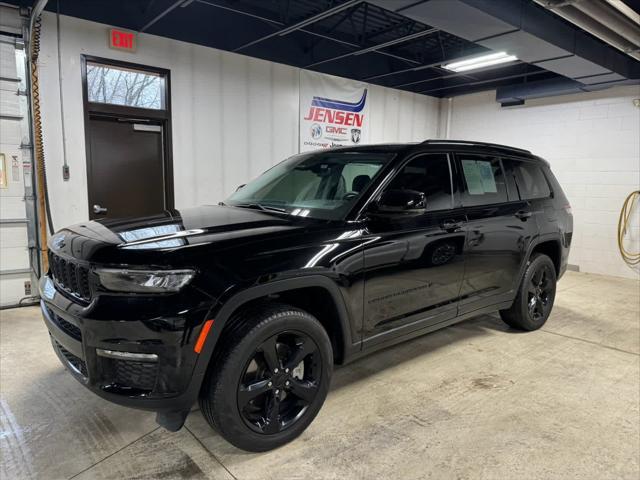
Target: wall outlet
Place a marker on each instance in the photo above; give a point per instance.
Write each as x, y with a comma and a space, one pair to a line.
27, 288
65, 172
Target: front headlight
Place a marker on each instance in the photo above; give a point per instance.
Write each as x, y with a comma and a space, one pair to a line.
144, 281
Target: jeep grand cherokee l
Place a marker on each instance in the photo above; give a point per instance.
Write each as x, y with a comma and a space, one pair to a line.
246, 306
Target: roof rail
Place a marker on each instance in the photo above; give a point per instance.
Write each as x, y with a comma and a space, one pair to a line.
483, 144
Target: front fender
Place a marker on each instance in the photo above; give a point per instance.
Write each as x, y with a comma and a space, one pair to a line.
224, 309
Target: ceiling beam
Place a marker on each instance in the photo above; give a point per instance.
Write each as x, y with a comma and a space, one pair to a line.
303, 23
324, 36
173, 6
374, 48
417, 68
456, 74
341, 20
391, 28
481, 82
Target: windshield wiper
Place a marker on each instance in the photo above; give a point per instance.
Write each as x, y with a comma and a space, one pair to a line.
258, 206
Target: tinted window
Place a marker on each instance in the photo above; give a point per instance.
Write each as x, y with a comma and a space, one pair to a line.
529, 180
357, 176
484, 180
430, 175
323, 184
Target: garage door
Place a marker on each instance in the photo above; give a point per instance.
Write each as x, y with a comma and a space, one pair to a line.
15, 272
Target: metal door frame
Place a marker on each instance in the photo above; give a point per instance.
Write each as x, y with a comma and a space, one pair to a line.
130, 113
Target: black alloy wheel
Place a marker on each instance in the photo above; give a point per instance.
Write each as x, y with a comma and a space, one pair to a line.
279, 382
534, 301
270, 377
539, 293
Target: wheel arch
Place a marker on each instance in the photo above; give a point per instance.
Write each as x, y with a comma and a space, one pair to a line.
285, 291
551, 246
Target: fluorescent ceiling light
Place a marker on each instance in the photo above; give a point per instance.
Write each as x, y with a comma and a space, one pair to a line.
480, 62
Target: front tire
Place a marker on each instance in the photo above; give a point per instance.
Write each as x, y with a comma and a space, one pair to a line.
271, 378
534, 301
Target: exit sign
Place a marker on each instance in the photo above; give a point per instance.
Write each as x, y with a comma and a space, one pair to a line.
122, 40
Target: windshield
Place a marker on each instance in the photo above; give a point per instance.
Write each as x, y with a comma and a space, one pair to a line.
321, 185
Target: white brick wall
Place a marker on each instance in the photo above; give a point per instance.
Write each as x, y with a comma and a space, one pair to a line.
592, 141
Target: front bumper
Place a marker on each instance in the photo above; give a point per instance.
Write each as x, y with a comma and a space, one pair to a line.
125, 324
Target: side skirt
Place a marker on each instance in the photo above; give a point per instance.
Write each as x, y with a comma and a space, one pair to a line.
369, 348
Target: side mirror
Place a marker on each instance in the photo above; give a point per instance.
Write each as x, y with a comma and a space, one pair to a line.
240, 187
402, 202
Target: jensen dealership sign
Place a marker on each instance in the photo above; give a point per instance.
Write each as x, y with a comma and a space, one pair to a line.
333, 112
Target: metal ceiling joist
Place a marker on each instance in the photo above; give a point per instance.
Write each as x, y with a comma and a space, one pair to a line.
323, 36
481, 82
162, 14
398, 29
602, 21
375, 48
304, 23
426, 66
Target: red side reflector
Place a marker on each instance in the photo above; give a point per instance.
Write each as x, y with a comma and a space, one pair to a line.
203, 336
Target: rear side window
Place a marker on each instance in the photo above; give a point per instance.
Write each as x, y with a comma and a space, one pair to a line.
429, 174
529, 180
484, 180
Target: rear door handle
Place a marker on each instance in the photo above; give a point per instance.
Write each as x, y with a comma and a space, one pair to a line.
451, 224
523, 215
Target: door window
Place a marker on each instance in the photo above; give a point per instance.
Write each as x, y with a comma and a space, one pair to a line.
529, 180
125, 86
483, 179
431, 175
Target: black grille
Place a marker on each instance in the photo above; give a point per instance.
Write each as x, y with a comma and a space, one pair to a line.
133, 374
67, 327
77, 363
70, 276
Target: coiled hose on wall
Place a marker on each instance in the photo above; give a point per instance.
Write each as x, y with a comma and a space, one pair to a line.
631, 258
43, 191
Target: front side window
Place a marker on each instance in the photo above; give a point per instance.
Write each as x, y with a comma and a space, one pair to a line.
322, 185
529, 180
429, 174
125, 86
484, 180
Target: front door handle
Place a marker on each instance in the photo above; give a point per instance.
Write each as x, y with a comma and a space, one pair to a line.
451, 224
523, 215
98, 209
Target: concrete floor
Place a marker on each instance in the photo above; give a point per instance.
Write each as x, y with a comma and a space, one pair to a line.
476, 400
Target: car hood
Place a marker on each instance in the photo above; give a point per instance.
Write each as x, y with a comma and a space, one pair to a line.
172, 230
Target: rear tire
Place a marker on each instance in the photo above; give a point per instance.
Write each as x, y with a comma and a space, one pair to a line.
270, 379
536, 294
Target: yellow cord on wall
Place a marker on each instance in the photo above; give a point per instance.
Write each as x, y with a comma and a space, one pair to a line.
631, 258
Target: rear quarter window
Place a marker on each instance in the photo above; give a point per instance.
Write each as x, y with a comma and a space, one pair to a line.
529, 179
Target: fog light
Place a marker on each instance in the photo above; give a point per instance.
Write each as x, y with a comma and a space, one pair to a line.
140, 357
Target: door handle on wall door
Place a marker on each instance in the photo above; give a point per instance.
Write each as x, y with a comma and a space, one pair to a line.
98, 209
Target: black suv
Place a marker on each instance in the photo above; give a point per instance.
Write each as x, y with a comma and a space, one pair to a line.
328, 256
